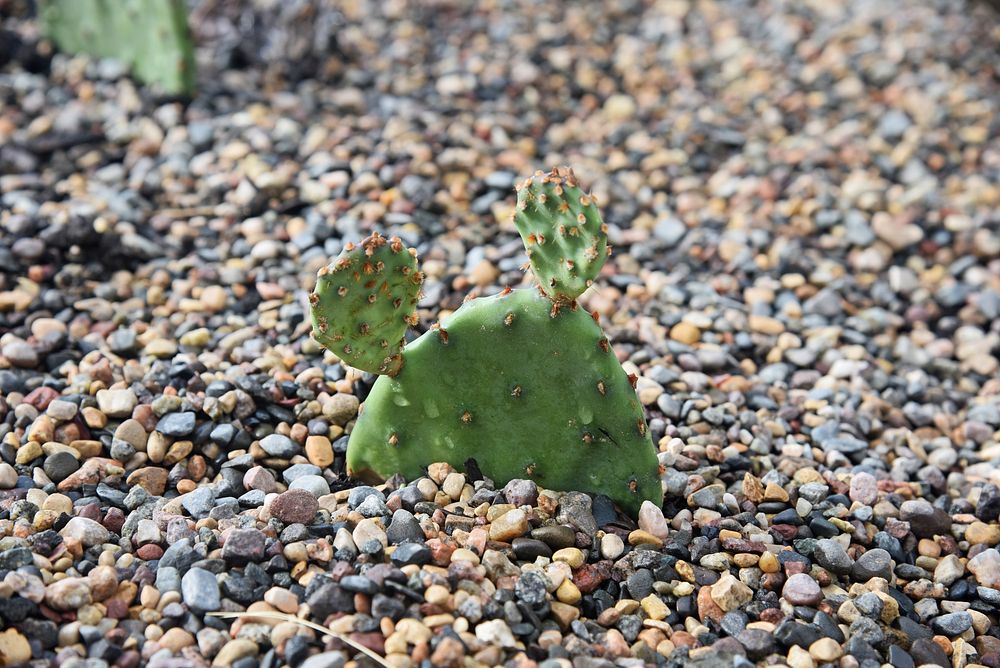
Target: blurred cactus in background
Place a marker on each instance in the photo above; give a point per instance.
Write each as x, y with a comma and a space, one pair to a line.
151, 36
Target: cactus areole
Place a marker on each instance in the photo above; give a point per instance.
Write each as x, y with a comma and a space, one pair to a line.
524, 382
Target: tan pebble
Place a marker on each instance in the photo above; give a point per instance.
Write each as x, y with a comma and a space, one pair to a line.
753, 488
295, 552
571, 555
176, 639
615, 644
437, 594
769, 563
729, 593
59, 503
685, 332
980, 622
177, 451
762, 324
619, 107
549, 638
103, 581
498, 510
414, 631
484, 273
428, 488
627, 605
156, 447
161, 348
28, 452
928, 548
149, 596
825, 650
94, 418
213, 298
568, 592
509, 526
453, 484
281, 633
775, 492
463, 554
685, 570
564, 613
395, 644
14, 648
666, 648
799, 658
980, 533
654, 607
683, 589
443, 619
282, 599
640, 537
319, 451
438, 471
234, 650
87, 449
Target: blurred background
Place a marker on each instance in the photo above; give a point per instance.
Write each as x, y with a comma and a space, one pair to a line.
764, 167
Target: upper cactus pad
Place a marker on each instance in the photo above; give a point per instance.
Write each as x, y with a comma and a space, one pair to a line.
364, 301
560, 225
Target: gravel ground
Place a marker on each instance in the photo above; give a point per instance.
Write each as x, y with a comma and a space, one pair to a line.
804, 201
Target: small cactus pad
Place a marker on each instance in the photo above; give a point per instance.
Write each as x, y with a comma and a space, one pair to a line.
528, 388
364, 301
561, 228
151, 36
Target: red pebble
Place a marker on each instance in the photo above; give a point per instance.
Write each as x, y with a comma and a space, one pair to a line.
373, 641
149, 552
116, 608
114, 519
41, 397
589, 577
771, 615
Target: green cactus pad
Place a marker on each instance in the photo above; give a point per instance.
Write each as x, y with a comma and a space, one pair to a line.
561, 227
528, 388
364, 301
151, 36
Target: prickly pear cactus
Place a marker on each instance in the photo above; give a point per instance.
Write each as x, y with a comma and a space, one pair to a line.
562, 230
526, 390
151, 36
364, 301
524, 382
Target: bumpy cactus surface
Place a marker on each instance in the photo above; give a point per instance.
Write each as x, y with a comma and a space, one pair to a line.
526, 393
562, 230
525, 382
364, 301
151, 36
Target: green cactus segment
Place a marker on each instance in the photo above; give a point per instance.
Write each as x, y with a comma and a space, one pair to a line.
527, 388
151, 36
364, 302
561, 227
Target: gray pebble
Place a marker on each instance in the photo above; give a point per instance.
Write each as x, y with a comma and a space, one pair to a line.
200, 590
